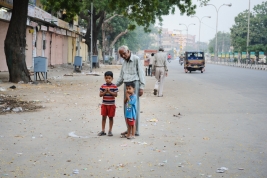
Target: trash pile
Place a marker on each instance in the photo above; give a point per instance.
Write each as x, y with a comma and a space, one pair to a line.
12, 104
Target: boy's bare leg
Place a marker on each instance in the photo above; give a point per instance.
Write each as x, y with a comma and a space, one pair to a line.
110, 124
103, 123
133, 130
129, 131
124, 133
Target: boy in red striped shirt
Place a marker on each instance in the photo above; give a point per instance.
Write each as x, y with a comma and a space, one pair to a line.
108, 91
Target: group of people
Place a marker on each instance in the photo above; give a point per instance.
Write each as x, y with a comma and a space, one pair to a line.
132, 75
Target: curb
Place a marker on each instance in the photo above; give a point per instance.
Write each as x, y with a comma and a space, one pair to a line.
254, 67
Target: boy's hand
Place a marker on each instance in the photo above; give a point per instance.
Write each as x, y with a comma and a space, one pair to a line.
127, 94
108, 90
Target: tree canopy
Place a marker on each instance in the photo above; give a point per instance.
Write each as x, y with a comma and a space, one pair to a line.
223, 41
138, 39
258, 30
141, 13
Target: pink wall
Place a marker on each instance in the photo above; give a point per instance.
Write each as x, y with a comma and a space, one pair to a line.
59, 56
48, 47
3, 31
65, 50
28, 52
53, 49
39, 43
56, 53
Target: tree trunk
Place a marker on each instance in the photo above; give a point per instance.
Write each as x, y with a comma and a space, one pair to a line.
15, 43
103, 42
97, 23
117, 37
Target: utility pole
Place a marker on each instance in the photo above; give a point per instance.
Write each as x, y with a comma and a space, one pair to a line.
223, 43
248, 28
223, 47
200, 21
91, 46
217, 10
187, 26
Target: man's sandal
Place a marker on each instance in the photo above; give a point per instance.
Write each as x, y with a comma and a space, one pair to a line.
101, 133
155, 91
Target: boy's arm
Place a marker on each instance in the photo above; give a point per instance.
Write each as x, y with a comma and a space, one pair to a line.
102, 92
127, 98
113, 92
132, 100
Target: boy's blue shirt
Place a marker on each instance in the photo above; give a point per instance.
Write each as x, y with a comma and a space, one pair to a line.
130, 109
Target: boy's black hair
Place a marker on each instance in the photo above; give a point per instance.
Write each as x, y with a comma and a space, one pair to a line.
152, 54
108, 73
130, 84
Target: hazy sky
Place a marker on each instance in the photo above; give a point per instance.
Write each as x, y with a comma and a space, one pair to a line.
208, 27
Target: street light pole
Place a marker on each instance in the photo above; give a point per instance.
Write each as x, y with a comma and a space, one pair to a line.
200, 21
217, 10
248, 28
91, 46
187, 26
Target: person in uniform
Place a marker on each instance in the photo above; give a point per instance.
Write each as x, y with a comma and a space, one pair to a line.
132, 71
160, 71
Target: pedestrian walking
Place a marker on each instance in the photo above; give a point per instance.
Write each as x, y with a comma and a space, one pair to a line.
132, 71
169, 57
130, 109
150, 64
160, 71
108, 91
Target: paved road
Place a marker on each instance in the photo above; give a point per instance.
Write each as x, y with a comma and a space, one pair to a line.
223, 121
222, 124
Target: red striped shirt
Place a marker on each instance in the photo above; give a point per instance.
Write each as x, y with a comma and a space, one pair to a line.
108, 99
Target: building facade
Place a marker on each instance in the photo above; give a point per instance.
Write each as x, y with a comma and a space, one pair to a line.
175, 41
46, 36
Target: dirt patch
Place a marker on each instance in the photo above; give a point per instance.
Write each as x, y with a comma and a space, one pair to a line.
12, 104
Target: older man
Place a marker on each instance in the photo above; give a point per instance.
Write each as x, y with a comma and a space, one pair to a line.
160, 70
132, 71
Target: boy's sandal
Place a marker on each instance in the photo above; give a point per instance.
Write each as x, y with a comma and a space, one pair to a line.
123, 136
131, 137
110, 134
123, 133
101, 133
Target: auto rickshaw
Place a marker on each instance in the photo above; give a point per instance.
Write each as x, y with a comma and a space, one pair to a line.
194, 61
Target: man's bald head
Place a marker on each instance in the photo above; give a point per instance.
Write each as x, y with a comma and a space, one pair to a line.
124, 52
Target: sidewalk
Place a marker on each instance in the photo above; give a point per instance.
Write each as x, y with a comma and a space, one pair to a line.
248, 66
61, 136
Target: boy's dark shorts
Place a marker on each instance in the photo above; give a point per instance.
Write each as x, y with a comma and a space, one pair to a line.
130, 122
108, 110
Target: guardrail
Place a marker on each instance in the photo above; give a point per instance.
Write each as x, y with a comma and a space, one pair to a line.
234, 64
